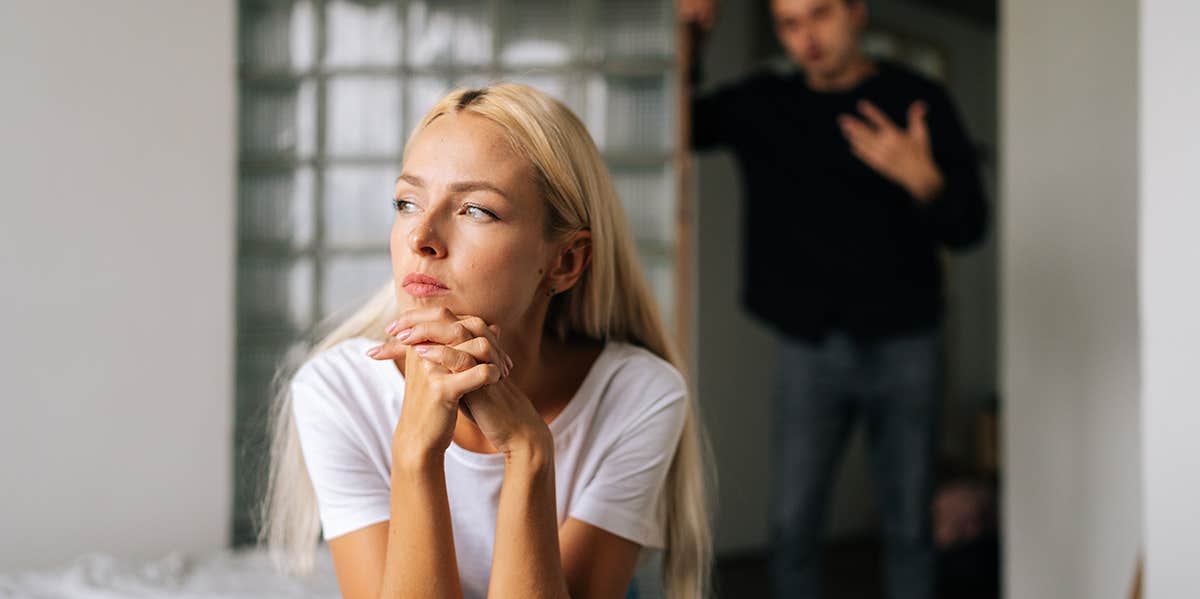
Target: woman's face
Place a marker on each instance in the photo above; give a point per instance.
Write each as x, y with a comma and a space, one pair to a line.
470, 215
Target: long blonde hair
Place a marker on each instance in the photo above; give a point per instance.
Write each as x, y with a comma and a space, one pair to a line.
611, 301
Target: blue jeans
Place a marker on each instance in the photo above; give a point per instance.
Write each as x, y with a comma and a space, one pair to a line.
893, 384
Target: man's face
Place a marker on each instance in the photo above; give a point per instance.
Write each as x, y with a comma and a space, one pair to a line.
820, 35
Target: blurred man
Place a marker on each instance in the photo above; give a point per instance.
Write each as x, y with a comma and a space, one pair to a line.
854, 172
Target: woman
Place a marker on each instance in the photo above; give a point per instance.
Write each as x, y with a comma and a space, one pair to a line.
507, 418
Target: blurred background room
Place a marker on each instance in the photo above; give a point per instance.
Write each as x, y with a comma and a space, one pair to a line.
195, 189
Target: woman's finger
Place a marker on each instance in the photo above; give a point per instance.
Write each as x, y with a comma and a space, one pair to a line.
412, 316
388, 350
391, 349
456, 333
454, 360
480, 328
484, 351
478, 350
446, 333
408, 320
462, 383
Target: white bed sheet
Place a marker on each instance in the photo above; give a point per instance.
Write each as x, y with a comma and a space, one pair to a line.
235, 574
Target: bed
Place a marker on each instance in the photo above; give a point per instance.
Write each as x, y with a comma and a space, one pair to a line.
227, 574
232, 573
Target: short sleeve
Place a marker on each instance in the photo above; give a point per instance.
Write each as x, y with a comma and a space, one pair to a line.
627, 494
351, 492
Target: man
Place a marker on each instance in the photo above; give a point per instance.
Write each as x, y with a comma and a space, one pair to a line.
854, 172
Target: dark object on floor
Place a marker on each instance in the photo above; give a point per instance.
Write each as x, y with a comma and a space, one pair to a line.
970, 570
965, 533
964, 509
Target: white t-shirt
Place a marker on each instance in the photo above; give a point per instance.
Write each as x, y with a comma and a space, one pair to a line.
613, 444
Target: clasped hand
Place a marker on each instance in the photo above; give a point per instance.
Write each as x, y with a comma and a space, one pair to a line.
455, 362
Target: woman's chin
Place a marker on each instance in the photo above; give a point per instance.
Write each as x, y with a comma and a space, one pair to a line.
408, 301
455, 305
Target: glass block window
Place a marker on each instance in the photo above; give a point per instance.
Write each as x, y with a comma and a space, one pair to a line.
329, 92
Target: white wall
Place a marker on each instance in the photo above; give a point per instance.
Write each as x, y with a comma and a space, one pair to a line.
1069, 297
116, 277
1170, 288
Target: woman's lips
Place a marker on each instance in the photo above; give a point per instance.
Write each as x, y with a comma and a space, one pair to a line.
422, 285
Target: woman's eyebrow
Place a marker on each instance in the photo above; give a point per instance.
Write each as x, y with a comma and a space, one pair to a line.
413, 180
459, 187
463, 186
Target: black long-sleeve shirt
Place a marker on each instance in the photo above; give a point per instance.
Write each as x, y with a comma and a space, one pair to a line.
829, 241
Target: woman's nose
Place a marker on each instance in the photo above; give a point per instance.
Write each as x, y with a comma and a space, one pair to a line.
424, 240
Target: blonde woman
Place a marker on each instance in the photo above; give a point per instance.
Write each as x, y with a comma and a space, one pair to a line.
506, 418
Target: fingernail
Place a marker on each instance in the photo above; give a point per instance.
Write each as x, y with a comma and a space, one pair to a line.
509, 360
391, 330
421, 350
374, 351
404, 334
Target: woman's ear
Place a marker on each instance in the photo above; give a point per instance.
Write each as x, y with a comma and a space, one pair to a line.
572, 261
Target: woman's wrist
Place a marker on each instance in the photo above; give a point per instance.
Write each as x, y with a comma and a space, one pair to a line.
530, 451
409, 457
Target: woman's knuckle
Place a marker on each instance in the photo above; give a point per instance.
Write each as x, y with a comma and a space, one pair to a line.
463, 361
492, 372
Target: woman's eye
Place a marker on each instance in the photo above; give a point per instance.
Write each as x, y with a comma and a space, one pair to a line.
479, 213
403, 205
